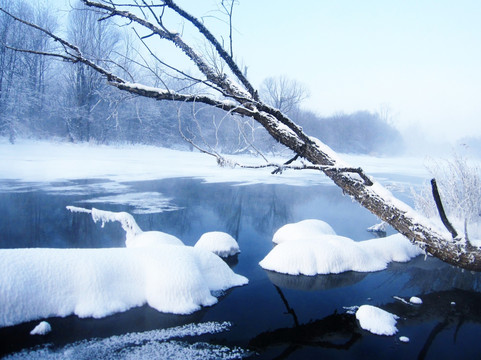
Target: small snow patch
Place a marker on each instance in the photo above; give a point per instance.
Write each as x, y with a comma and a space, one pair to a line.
220, 243
41, 329
376, 320
351, 309
415, 300
404, 339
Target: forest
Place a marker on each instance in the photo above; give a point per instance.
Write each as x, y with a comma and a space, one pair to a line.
46, 98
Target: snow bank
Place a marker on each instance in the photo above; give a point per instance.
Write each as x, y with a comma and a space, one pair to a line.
302, 230
306, 249
47, 162
154, 344
41, 329
220, 243
376, 320
39, 283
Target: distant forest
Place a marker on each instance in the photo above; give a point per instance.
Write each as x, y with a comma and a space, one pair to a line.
41, 97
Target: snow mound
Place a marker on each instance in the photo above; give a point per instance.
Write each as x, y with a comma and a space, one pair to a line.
415, 300
302, 230
220, 243
154, 344
40, 283
41, 329
333, 254
376, 320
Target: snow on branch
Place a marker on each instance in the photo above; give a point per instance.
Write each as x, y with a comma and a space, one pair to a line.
125, 219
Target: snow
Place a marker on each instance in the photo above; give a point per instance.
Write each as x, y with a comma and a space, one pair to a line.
309, 248
155, 268
154, 344
381, 227
42, 164
415, 300
135, 237
43, 328
301, 230
376, 320
40, 283
220, 243
404, 339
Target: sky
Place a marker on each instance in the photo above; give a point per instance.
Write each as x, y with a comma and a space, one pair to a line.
421, 59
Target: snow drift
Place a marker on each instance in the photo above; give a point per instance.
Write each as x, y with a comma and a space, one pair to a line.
40, 283
310, 248
155, 269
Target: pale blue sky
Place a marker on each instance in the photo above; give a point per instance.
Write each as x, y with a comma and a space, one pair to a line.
422, 58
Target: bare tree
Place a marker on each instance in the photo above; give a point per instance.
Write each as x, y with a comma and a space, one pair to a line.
98, 41
232, 92
22, 75
283, 93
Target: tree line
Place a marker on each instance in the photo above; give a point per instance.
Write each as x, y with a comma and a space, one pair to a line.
42, 97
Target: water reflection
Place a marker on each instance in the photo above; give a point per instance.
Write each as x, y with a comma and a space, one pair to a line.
252, 214
448, 310
315, 283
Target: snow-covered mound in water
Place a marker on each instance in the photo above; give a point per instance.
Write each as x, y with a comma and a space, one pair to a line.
39, 283
316, 252
376, 320
304, 229
220, 243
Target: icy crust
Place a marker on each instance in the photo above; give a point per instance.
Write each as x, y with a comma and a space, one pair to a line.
154, 344
376, 320
302, 230
40, 283
220, 243
309, 248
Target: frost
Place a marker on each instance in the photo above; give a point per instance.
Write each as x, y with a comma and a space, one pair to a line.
220, 243
155, 344
376, 320
43, 328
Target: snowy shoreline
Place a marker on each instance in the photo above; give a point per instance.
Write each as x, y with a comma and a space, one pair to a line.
47, 162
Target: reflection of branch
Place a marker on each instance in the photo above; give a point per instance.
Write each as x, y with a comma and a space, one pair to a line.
432, 335
286, 304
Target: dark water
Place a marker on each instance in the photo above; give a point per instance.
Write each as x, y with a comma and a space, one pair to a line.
275, 316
